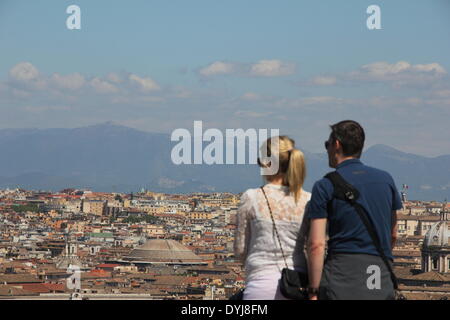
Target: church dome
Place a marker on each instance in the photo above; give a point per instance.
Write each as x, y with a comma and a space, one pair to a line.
163, 251
438, 235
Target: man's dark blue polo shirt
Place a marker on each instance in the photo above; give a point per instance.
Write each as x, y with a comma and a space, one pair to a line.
378, 195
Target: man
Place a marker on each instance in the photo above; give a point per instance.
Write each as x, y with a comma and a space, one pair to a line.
353, 268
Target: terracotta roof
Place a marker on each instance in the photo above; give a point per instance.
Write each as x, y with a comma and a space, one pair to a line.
45, 261
171, 281
19, 278
6, 290
116, 280
425, 289
191, 280
423, 296
107, 265
141, 276
431, 276
412, 217
95, 274
36, 287
409, 253
55, 287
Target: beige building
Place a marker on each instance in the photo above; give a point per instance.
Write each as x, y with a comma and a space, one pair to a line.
126, 269
153, 230
96, 207
152, 210
73, 206
409, 225
200, 215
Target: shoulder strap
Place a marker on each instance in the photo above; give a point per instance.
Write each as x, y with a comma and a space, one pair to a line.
345, 191
342, 189
274, 226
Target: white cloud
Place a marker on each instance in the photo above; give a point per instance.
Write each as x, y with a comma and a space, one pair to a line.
324, 80
101, 86
25, 76
272, 68
400, 73
72, 81
24, 71
262, 68
217, 68
113, 77
145, 84
431, 67
384, 68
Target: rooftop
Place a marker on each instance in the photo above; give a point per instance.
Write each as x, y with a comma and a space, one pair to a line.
163, 251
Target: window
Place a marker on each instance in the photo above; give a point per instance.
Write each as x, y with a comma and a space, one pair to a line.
435, 263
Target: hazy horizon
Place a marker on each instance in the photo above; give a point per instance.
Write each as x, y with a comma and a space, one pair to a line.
319, 148
297, 65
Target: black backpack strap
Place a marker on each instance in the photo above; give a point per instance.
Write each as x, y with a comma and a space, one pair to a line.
342, 189
346, 192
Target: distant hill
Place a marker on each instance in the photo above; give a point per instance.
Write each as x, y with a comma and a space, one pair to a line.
108, 157
427, 178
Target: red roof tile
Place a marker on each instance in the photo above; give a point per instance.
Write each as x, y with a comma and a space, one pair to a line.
36, 287
107, 265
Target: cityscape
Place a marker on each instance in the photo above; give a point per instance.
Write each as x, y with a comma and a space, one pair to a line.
130, 132
154, 246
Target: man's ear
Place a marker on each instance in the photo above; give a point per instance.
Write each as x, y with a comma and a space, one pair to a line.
338, 146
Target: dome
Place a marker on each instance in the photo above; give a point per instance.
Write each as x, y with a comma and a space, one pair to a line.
438, 235
163, 251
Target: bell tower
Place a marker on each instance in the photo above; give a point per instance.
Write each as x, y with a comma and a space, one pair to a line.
443, 215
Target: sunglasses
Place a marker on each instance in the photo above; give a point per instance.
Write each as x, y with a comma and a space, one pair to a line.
327, 144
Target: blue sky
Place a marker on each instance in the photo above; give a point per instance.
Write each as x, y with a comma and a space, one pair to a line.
294, 65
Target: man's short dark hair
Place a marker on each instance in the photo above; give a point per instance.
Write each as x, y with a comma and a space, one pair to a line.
351, 136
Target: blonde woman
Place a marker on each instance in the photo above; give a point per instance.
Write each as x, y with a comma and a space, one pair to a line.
256, 243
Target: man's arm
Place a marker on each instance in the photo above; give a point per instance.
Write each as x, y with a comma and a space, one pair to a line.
394, 229
316, 252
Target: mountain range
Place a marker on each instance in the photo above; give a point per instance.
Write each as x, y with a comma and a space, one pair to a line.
113, 158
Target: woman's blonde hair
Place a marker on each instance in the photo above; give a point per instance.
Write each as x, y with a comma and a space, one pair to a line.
291, 161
